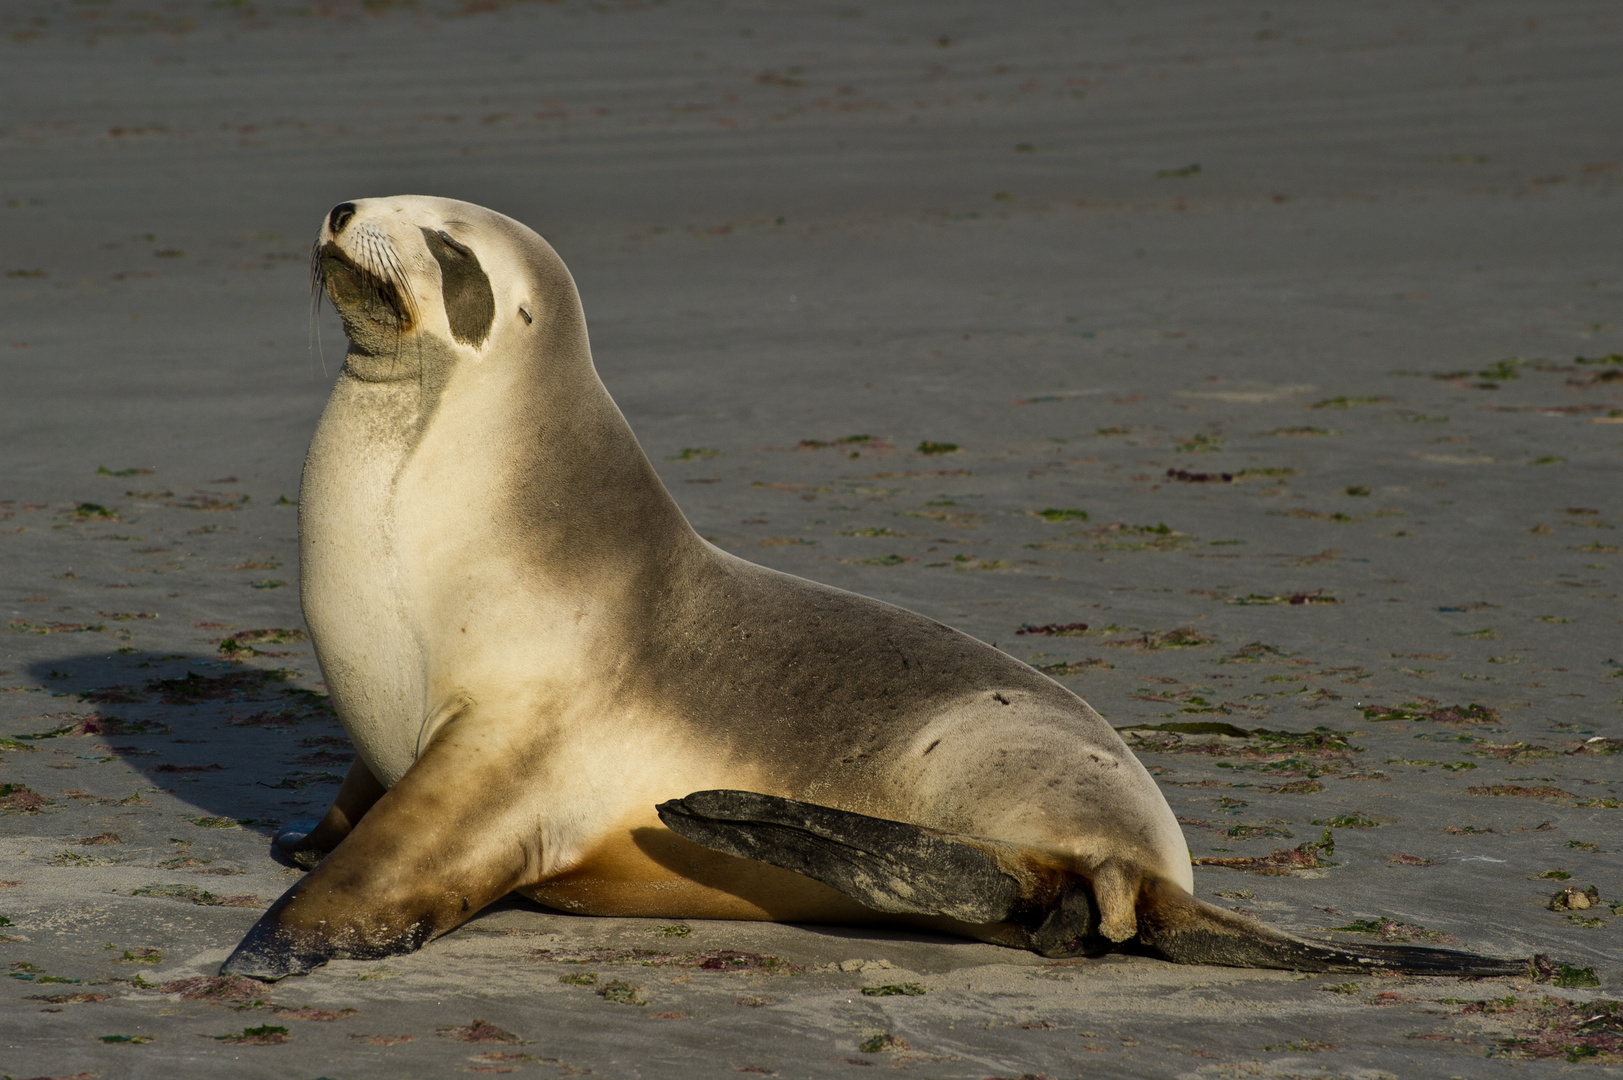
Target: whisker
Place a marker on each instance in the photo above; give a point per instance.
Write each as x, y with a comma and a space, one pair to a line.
318, 289
377, 266
379, 287
407, 300
384, 264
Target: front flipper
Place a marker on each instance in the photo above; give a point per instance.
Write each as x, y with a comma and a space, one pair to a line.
445, 841
898, 867
306, 843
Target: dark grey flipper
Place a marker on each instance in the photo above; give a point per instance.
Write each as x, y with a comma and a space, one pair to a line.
887, 865
1175, 926
894, 866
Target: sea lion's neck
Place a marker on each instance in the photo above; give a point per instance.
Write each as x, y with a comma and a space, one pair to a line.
525, 450
582, 491
510, 499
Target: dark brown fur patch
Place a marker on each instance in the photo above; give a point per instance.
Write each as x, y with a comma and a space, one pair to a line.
470, 306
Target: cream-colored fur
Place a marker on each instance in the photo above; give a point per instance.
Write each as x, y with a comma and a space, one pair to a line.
432, 604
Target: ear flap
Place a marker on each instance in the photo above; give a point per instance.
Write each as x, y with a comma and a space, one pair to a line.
470, 306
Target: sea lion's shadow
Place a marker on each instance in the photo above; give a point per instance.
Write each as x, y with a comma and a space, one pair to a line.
239, 743
518, 914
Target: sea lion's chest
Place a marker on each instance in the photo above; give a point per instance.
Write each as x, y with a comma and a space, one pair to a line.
353, 583
416, 591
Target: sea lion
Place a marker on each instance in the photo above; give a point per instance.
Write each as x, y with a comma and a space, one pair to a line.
555, 686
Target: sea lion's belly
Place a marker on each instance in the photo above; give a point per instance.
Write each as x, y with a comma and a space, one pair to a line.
642, 869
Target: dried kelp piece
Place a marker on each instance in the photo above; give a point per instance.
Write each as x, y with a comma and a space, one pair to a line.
279, 718
1394, 930
325, 756
194, 689
96, 724
1354, 820
307, 1012
113, 695
1182, 637
1074, 667
1261, 743
298, 781
621, 992
192, 894
246, 642
1424, 709
1295, 787
1297, 599
1542, 792
1247, 832
911, 989
1490, 376
23, 626
1187, 477
1194, 727
479, 1031
1255, 653
210, 501
1514, 753
1309, 856
1550, 1027
263, 1035
19, 798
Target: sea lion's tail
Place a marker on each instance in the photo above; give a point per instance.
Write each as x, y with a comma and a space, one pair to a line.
901, 868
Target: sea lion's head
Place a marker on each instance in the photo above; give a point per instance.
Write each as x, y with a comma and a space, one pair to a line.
423, 280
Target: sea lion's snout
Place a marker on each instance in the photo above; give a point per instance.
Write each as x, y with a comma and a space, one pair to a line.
361, 292
358, 266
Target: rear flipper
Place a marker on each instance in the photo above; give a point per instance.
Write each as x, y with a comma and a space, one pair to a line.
900, 868
1175, 926
896, 867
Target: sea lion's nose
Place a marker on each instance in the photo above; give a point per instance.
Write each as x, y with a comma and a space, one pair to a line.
340, 216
